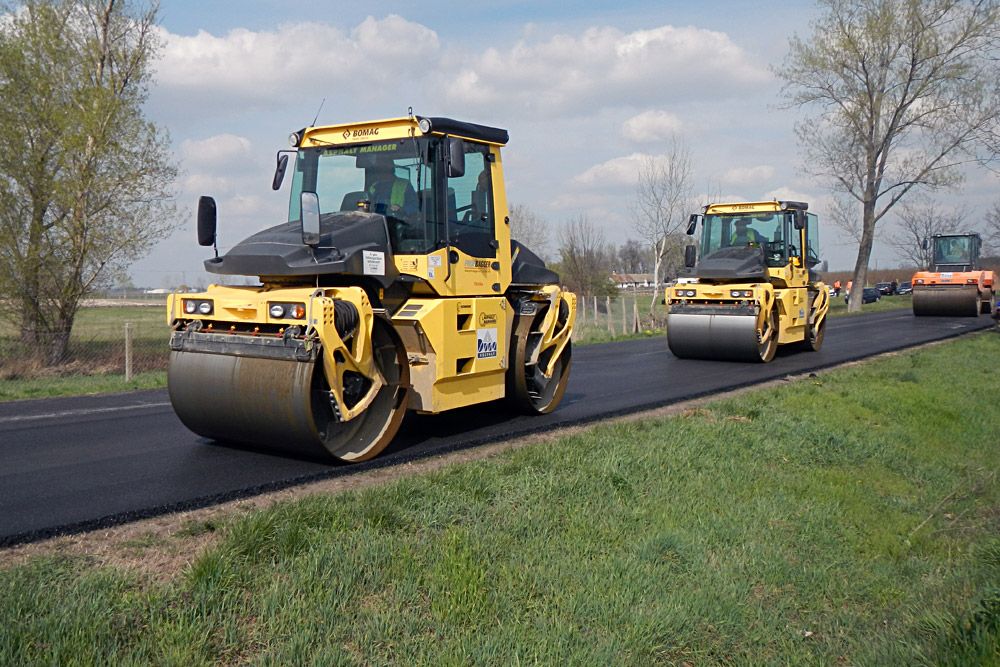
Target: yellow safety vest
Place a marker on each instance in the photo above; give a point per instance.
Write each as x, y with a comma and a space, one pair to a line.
397, 196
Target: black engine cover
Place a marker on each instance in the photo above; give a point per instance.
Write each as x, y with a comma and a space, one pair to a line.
344, 240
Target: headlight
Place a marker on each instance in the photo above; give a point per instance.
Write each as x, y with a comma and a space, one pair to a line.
920, 281
190, 306
205, 307
295, 311
425, 125
691, 292
971, 280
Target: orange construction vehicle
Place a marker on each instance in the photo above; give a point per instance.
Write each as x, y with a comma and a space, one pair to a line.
954, 284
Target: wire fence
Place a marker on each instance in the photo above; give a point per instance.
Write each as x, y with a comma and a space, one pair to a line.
126, 337
110, 339
606, 317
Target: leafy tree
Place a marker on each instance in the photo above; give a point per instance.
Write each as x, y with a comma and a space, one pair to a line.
662, 203
84, 178
633, 257
905, 91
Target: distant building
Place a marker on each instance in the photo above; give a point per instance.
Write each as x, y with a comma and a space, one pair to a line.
632, 280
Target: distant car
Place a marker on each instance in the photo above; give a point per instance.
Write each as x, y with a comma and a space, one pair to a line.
868, 295
905, 288
885, 289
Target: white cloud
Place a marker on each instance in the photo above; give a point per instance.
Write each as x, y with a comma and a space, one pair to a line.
615, 172
267, 65
748, 175
217, 151
651, 126
604, 66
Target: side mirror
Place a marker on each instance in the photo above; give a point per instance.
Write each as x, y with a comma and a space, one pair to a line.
279, 171
310, 218
207, 221
456, 157
692, 223
923, 244
800, 219
690, 254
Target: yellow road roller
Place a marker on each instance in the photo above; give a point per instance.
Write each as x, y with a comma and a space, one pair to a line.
954, 284
750, 285
393, 285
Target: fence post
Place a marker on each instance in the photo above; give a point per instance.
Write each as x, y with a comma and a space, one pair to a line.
128, 352
624, 317
635, 316
595, 310
611, 321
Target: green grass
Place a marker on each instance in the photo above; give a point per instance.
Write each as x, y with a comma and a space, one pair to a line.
108, 323
838, 308
78, 385
851, 518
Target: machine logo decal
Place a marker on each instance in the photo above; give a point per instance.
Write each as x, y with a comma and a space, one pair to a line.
487, 318
486, 343
374, 263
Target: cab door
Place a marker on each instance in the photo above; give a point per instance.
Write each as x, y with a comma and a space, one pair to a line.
470, 203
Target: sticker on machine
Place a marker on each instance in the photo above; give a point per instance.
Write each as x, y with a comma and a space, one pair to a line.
434, 260
486, 343
374, 262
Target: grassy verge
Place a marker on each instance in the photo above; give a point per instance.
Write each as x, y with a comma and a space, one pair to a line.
78, 385
850, 518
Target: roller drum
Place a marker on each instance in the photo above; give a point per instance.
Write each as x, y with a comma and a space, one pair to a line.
947, 301
270, 403
704, 336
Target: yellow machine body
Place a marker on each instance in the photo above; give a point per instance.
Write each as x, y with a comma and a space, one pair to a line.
332, 365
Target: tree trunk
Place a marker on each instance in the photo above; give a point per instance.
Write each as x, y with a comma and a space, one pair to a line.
864, 255
658, 248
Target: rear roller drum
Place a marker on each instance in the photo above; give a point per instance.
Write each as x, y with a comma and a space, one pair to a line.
768, 344
527, 386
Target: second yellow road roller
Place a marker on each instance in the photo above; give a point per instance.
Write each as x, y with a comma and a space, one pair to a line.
393, 285
751, 286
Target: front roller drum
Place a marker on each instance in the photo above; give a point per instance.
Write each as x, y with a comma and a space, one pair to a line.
946, 301
284, 405
723, 337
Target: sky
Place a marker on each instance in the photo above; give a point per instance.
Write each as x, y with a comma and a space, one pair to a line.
585, 89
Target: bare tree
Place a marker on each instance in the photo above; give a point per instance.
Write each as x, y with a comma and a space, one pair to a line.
84, 177
585, 258
906, 91
632, 257
530, 229
919, 220
993, 229
663, 202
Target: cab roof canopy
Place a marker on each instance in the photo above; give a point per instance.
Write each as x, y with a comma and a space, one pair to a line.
756, 206
396, 128
469, 130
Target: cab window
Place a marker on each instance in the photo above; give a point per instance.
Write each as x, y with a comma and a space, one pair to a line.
470, 204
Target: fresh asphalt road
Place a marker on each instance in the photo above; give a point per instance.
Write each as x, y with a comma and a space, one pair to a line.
74, 464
